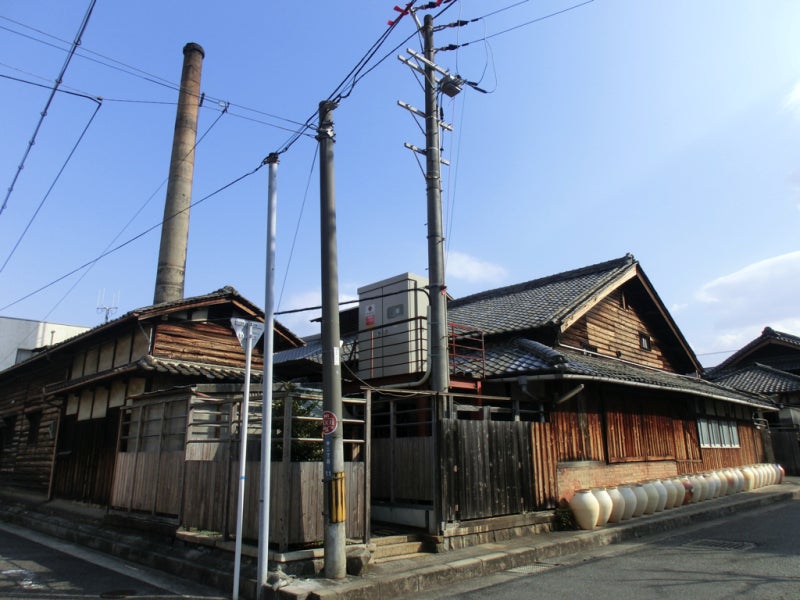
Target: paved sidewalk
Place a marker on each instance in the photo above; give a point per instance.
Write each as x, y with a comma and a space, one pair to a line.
427, 573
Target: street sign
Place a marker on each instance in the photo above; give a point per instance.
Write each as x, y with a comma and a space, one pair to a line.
256, 329
329, 422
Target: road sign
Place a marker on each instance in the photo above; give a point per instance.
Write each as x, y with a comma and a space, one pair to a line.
329, 422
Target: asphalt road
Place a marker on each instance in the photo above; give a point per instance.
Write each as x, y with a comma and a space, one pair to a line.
35, 566
749, 555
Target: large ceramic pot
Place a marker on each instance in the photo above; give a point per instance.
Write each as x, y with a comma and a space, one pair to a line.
737, 472
723, 483
730, 478
661, 490
606, 506
671, 493
716, 484
699, 486
585, 509
749, 479
641, 499
617, 503
652, 497
630, 501
680, 492
688, 490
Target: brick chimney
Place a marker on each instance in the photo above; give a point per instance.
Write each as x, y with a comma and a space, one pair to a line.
171, 272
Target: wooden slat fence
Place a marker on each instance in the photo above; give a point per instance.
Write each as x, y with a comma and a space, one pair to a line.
198, 483
487, 468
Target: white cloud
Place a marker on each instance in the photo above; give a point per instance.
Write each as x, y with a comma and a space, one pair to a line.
792, 100
473, 270
739, 305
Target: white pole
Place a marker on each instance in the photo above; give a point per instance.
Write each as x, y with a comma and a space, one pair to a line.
266, 407
248, 353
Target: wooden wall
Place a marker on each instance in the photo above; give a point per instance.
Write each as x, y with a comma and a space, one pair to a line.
26, 455
213, 343
614, 326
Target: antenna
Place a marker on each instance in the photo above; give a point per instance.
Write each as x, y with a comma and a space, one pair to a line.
105, 308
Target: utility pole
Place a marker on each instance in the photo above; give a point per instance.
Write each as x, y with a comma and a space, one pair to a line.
333, 447
440, 364
266, 403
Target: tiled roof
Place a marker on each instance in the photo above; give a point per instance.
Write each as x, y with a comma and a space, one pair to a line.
312, 351
767, 335
759, 379
207, 371
535, 303
526, 357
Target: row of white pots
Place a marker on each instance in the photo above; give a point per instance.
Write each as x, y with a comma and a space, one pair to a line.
595, 507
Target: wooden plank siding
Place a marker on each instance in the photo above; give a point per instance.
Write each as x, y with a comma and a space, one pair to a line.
85, 461
613, 326
402, 469
487, 468
30, 427
202, 342
578, 430
544, 466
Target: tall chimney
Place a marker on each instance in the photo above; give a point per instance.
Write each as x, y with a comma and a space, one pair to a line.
175, 228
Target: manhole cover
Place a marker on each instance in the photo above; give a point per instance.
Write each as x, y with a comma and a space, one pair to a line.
720, 545
531, 569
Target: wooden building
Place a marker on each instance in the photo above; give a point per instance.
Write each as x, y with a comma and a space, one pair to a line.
575, 380
60, 409
770, 365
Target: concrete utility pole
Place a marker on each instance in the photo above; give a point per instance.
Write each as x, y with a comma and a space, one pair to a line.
440, 364
333, 447
175, 228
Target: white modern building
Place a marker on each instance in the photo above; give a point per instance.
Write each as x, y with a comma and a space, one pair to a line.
19, 338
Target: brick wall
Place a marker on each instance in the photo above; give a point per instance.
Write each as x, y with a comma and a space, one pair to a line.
589, 474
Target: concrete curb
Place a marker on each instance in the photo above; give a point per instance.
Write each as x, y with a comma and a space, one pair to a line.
393, 579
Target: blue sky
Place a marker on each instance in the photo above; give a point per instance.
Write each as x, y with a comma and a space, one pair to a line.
665, 129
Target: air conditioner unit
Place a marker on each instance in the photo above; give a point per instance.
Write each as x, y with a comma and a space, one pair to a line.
393, 327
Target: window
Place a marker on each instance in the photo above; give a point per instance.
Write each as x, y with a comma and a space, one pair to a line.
34, 420
717, 433
644, 342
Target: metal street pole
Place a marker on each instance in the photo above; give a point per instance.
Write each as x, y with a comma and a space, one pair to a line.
266, 405
440, 367
244, 331
333, 448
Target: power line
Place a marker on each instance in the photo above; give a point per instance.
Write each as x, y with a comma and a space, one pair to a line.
521, 25
133, 239
43, 114
52, 185
142, 74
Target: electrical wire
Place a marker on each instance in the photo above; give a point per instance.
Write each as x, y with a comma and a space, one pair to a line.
52, 185
297, 227
43, 114
133, 239
141, 73
525, 24
133, 218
